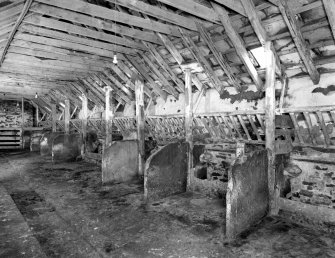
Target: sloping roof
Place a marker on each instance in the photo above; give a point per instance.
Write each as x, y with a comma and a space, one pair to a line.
64, 48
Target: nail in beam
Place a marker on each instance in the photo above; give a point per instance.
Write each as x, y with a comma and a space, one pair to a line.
140, 123
270, 105
188, 124
109, 115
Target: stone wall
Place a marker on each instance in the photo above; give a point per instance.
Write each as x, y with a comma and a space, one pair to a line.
312, 181
11, 116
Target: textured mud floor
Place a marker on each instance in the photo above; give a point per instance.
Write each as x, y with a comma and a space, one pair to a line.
71, 214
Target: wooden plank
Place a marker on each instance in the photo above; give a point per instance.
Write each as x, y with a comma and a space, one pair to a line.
157, 12
238, 43
223, 62
17, 24
188, 125
254, 127
37, 20
65, 44
95, 22
110, 14
194, 8
270, 105
80, 40
330, 11
243, 126
140, 122
118, 84
304, 52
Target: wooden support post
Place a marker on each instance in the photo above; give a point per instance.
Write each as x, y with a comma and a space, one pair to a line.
54, 118
139, 85
37, 116
22, 112
270, 105
188, 125
84, 109
67, 116
108, 116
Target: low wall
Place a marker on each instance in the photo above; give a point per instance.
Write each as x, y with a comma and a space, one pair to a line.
46, 142
120, 162
166, 171
66, 147
247, 198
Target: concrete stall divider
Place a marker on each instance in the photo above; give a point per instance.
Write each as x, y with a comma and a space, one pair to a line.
120, 162
46, 142
66, 147
247, 199
166, 171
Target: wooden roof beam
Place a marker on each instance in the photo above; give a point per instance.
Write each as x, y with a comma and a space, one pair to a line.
165, 66
156, 88
16, 26
238, 44
223, 62
178, 57
298, 39
330, 11
262, 35
197, 54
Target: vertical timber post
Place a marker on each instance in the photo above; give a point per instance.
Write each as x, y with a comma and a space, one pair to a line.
67, 116
188, 125
140, 123
22, 112
37, 116
84, 109
270, 105
53, 117
108, 116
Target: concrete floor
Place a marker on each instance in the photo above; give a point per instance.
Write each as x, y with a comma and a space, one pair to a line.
71, 214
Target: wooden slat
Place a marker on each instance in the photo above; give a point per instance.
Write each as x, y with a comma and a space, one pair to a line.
297, 128
303, 50
254, 127
309, 127
37, 20
95, 22
16, 26
324, 128
109, 14
157, 12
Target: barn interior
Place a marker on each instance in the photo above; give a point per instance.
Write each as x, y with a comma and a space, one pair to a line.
167, 128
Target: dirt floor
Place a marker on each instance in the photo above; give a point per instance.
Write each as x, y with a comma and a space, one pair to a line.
71, 214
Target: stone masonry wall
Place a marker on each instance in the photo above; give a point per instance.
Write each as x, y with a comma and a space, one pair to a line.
10, 114
315, 185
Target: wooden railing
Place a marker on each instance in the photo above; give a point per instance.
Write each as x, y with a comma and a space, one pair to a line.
307, 126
